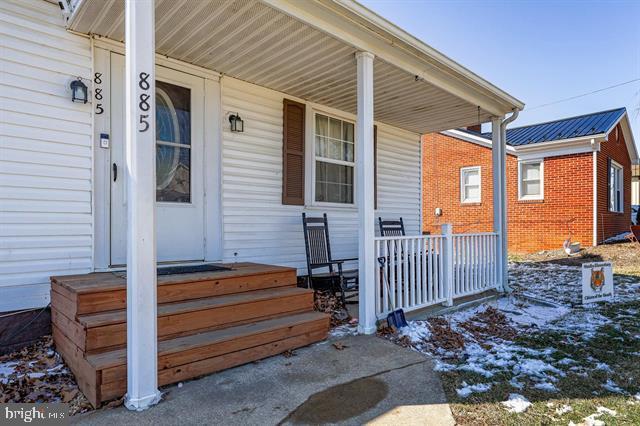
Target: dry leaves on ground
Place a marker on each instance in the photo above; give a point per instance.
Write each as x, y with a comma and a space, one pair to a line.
340, 346
329, 303
490, 322
38, 374
443, 336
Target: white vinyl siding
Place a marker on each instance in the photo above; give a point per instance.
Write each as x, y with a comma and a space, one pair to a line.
616, 178
470, 185
257, 227
45, 153
531, 180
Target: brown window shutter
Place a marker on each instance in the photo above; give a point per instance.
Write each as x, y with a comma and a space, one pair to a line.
375, 167
293, 154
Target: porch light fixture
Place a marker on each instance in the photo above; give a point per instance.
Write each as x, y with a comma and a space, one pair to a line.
237, 125
78, 91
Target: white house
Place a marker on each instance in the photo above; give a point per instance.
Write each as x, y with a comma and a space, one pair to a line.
308, 79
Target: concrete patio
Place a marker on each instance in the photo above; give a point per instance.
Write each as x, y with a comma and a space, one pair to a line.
369, 380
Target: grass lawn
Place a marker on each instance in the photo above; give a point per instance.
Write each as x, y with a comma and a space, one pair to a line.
515, 361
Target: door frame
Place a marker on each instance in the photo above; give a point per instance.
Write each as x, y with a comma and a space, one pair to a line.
212, 149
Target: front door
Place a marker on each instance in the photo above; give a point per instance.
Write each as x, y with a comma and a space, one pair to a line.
179, 165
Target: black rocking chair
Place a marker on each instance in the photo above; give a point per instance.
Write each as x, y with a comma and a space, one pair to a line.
391, 228
317, 243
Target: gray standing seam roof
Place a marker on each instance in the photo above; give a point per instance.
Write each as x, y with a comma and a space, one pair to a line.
566, 128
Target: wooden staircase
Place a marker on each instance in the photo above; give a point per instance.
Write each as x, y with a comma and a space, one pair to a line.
207, 322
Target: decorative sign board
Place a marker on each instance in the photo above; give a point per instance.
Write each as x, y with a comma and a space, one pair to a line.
597, 282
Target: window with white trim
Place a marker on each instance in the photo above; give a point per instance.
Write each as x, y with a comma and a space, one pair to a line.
470, 185
616, 178
334, 162
531, 180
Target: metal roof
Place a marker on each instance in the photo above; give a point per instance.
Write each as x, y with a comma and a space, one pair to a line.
567, 128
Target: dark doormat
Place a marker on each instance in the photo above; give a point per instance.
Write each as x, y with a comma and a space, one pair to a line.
173, 270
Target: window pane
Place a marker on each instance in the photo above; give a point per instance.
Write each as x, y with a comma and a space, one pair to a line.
348, 151
321, 146
335, 150
173, 113
471, 177
347, 131
531, 187
471, 192
173, 126
322, 125
335, 128
531, 171
173, 174
334, 183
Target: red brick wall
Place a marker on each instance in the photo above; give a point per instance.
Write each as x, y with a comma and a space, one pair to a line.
567, 206
609, 223
443, 156
533, 225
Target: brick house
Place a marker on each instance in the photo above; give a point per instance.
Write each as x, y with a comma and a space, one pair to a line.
568, 178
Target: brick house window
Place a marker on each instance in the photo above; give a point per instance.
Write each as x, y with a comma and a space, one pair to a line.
470, 185
616, 203
334, 160
531, 180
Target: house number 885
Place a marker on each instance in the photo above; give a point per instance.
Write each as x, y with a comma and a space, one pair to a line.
143, 103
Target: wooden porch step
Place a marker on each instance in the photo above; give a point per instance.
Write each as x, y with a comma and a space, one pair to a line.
106, 291
103, 376
107, 330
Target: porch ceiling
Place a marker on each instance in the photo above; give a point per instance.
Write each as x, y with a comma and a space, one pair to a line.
261, 44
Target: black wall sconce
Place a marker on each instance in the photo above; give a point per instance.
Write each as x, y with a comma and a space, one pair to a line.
79, 91
237, 125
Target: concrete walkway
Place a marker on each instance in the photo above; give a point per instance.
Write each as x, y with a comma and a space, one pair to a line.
369, 381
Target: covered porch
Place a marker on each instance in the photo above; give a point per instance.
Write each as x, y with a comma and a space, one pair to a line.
335, 54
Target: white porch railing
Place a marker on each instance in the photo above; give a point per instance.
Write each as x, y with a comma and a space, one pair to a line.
425, 270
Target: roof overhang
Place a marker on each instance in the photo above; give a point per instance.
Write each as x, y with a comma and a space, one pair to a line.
560, 147
628, 136
307, 50
478, 140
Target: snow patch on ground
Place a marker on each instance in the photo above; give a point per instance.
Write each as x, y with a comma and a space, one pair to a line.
416, 331
467, 390
563, 410
618, 238
6, 370
344, 330
516, 403
530, 314
611, 386
546, 386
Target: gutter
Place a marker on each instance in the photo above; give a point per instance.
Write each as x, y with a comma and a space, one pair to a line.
595, 192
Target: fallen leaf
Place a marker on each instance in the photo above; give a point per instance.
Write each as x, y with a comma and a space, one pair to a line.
68, 395
340, 346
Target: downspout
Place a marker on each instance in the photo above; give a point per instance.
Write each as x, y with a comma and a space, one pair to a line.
595, 192
503, 183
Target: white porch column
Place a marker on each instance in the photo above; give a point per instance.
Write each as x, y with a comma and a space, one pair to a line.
142, 371
365, 193
499, 157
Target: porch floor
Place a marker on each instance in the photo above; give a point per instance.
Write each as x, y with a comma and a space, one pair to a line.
207, 321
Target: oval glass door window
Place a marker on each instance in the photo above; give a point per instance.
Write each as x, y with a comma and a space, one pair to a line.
173, 143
